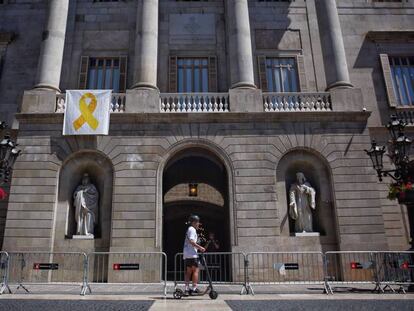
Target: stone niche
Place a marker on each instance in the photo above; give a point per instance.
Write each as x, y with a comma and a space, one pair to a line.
317, 174
100, 170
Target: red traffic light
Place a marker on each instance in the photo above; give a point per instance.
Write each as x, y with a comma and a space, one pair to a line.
116, 266
405, 265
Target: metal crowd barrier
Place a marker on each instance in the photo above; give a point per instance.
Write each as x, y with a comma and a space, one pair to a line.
127, 268
4, 264
384, 270
55, 268
225, 269
395, 269
353, 268
285, 268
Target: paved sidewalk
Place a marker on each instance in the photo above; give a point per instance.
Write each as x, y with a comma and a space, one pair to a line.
143, 297
262, 302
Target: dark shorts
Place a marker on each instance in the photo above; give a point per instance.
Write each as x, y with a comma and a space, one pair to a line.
191, 262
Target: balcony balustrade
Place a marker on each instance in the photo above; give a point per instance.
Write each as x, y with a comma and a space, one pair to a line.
291, 102
194, 102
219, 102
117, 103
406, 115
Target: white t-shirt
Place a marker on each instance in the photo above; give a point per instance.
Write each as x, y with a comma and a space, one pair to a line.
189, 250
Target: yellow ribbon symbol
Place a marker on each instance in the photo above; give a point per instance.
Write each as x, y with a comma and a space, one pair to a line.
87, 112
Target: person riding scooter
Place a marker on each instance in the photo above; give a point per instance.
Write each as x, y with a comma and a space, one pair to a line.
191, 261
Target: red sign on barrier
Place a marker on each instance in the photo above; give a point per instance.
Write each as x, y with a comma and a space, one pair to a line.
125, 266
406, 265
45, 266
363, 265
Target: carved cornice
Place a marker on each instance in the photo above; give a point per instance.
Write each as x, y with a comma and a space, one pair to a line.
229, 117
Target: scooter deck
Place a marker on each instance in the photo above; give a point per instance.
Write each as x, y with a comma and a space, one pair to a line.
178, 293
201, 293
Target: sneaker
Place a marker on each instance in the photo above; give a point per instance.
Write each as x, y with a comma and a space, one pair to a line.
195, 291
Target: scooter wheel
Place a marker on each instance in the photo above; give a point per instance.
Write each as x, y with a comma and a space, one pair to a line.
178, 294
213, 294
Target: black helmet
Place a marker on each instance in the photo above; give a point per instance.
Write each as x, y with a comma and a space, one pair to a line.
193, 218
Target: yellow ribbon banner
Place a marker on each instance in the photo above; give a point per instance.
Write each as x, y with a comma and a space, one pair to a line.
87, 112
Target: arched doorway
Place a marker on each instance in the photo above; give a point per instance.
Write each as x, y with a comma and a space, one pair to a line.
200, 168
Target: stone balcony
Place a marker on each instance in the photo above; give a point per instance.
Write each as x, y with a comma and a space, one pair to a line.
236, 105
219, 102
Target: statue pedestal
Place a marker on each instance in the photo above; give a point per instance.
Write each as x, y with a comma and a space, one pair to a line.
306, 234
83, 237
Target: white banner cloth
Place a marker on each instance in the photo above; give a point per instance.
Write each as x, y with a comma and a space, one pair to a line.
87, 112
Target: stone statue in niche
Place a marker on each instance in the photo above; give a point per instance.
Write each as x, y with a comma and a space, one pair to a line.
85, 200
301, 203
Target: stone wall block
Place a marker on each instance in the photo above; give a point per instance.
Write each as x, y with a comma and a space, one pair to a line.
39, 101
347, 99
142, 101
246, 100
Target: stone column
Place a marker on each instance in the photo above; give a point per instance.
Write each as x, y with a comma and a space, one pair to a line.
146, 45
240, 44
51, 53
333, 49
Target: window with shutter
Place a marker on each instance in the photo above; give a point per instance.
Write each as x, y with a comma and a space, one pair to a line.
123, 73
386, 70
103, 73
303, 83
173, 74
262, 73
399, 79
280, 74
83, 75
212, 74
193, 74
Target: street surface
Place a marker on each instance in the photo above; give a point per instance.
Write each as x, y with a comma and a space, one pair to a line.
322, 305
260, 302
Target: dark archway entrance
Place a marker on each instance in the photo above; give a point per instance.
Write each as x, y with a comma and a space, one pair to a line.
204, 169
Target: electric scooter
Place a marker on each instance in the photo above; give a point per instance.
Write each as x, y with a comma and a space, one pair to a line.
179, 293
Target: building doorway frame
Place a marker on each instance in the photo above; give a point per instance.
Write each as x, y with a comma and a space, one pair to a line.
225, 160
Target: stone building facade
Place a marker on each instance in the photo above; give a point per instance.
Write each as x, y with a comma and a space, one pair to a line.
234, 96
